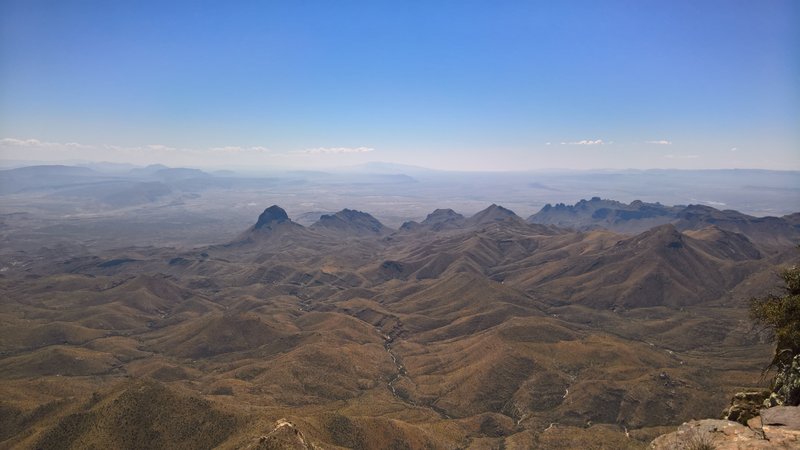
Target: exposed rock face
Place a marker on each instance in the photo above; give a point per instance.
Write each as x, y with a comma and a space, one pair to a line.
285, 436
726, 435
273, 228
745, 406
587, 214
271, 216
781, 426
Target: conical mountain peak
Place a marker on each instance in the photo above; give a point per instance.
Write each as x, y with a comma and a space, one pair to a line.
271, 216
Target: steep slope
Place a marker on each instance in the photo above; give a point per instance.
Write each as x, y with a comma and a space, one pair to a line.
273, 230
142, 415
493, 214
658, 267
478, 249
768, 231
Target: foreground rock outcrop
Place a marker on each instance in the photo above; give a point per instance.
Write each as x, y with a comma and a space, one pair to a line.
745, 406
776, 428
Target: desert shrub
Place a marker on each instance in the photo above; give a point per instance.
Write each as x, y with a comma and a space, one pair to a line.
701, 442
345, 433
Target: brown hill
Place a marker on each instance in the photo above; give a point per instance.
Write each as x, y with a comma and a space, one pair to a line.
350, 222
769, 231
492, 214
217, 334
438, 220
142, 415
659, 267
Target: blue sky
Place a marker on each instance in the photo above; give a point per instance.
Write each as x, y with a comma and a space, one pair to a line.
451, 85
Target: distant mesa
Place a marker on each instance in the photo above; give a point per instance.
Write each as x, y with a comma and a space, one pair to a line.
350, 221
52, 169
44, 177
180, 173
149, 170
165, 173
271, 216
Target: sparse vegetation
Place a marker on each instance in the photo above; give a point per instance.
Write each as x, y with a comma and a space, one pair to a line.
700, 441
781, 313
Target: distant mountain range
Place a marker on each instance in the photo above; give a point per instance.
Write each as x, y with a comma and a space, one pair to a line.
639, 216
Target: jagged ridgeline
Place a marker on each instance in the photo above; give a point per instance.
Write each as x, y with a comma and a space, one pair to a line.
599, 323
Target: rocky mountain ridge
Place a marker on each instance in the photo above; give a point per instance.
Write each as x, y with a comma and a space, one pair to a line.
639, 216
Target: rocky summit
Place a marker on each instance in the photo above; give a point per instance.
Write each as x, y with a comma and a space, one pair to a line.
271, 216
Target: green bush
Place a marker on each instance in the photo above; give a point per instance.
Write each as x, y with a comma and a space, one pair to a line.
781, 313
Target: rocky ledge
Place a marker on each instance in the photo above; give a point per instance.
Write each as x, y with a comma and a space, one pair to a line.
775, 428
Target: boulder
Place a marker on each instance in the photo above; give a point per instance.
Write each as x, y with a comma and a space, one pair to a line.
745, 406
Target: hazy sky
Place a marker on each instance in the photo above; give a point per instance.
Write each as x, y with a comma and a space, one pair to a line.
452, 85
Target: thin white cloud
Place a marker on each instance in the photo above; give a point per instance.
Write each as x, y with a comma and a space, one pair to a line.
21, 142
13, 142
336, 150
36, 143
38, 150
585, 142
681, 156
76, 145
235, 149
160, 148
659, 142
734, 149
